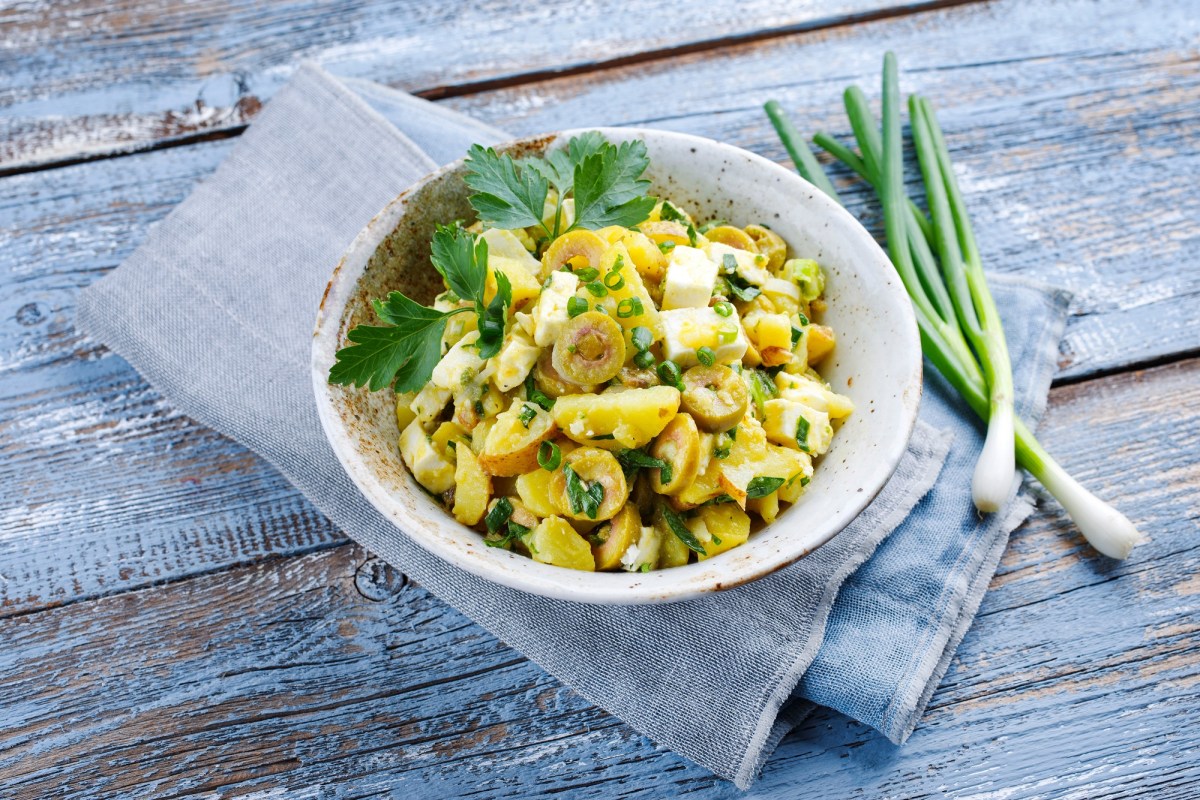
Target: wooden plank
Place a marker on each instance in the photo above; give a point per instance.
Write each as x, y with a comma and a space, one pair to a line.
90, 78
105, 485
66, 402
1073, 126
328, 671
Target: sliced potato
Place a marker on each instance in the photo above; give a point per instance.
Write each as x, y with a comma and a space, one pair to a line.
820, 343
428, 463
633, 416
555, 542
534, 491
511, 445
472, 487
719, 528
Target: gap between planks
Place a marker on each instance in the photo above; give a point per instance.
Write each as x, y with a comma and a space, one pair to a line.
441, 92
1076, 385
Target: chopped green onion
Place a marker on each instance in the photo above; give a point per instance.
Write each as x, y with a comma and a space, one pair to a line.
614, 280
706, 356
587, 274
641, 337
727, 333
761, 487
669, 372
723, 308
644, 359
666, 247
630, 307
596, 289
549, 456
499, 515
576, 306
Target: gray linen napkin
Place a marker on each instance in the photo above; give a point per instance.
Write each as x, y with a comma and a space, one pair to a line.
216, 310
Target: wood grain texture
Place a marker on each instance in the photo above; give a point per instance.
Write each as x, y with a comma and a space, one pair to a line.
1074, 126
103, 484
180, 511
88, 78
328, 672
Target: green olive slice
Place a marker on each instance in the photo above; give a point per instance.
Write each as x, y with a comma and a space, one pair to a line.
716, 396
592, 465
590, 349
679, 446
616, 536
548, 379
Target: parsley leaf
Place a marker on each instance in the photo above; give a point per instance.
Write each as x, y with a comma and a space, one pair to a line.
762, 486
558, 166
633, 460
802, 427
406, 349
681, 531
461, 259
609, 189
506, 196
493, 317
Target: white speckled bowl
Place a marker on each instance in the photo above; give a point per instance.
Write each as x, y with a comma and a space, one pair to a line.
877, 363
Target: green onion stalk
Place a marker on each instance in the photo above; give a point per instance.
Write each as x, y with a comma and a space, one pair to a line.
940, 266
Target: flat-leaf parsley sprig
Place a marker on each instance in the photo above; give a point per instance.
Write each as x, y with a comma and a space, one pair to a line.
605, 181
410, 345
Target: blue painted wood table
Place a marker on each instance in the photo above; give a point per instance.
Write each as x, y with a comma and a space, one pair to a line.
177, 621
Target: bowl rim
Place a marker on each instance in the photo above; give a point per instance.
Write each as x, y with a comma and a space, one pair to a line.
619, 588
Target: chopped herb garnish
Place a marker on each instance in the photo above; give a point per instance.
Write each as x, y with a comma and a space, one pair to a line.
584, 498
729, 264
549, 456
723, 308
681, 531
762, 486
630, 307
587, 274
408, 347
669, 372
526, 414
501, 512
596, 289
641, 337
536, 395
802, 433
633, 460
576, 306
644, 359
796, 334
706, 356
666, 247
670, 213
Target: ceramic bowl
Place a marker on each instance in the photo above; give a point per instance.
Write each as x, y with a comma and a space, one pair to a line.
877, 363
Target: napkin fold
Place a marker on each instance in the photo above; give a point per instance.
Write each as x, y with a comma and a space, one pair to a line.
216, 310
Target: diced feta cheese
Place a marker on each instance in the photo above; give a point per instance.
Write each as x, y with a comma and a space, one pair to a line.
506, 245
642, 552
516, 358
431, 469
783, 426
429, 402
804, 389
691, 276
550, 313
463, 359
750, 266
686, 330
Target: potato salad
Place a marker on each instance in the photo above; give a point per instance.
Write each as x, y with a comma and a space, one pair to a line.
643, 396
